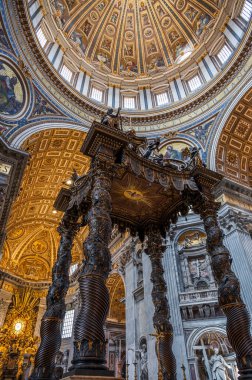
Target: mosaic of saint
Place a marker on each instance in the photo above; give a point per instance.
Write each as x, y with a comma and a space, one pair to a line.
191, 239
11, 91
176, 151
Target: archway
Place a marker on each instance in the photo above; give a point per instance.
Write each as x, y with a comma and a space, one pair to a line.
202, 345
115, 325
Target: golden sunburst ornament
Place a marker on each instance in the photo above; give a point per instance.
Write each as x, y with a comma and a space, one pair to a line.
134, 195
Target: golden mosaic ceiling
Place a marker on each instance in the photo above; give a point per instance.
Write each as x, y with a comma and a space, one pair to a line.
32, 239
135, 38
234, 151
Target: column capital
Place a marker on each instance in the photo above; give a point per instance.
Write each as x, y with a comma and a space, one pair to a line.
234, 219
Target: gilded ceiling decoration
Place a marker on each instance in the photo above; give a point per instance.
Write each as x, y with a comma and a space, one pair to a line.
116, 289
16, 335
135, 38
234, 151
32, 239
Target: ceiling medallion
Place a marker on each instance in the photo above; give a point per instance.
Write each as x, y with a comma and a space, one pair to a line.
110, 29
148, 33
129, 36
180, 4
166, 22
39, 246
134, 195
16, 233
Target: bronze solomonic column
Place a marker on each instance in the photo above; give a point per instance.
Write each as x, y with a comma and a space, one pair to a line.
161, 318
89, 338
51, 324
229, 294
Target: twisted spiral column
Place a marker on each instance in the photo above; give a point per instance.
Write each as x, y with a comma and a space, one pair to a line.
238, 320
50, 330
161, 318
89, 338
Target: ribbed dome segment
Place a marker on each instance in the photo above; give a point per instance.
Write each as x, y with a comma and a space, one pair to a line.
135, 38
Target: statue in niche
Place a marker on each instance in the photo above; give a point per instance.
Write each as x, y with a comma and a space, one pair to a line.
218, 366
143, 356
207, 311
65, 360
112, 120
137, 261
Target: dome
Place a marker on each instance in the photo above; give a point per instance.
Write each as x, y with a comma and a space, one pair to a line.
135, 39
139, 55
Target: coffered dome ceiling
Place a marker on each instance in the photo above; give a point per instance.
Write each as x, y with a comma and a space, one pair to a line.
135, 38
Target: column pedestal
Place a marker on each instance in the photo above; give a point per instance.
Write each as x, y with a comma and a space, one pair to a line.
88, 377
89, 374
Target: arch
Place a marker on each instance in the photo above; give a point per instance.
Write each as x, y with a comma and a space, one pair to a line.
196, 334
188, 229
32, 225
19, 137
222, 120
116, 289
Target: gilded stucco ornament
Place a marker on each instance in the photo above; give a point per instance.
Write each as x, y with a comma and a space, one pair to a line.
17, 334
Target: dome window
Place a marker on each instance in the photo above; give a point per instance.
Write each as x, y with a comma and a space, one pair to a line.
162, 99
246, 10
66, 73
129, 102
41, 37
68, 324
224, 54
96, 94
194, 83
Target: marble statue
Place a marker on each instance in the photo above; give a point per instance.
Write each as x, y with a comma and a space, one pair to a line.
218, 366
143, 362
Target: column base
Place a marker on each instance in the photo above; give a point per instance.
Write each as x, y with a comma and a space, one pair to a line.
79, 377
245, 375
86, 374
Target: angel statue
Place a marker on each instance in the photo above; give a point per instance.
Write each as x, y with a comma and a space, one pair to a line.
112, 120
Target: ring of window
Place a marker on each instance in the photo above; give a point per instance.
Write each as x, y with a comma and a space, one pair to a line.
246, 11
97, 94
129, 102
162, 99
66, 73
224, 54
194, 83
